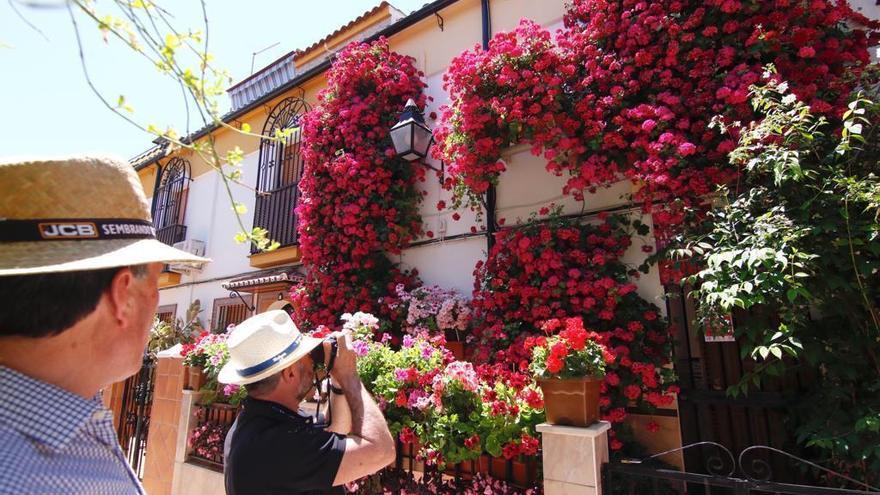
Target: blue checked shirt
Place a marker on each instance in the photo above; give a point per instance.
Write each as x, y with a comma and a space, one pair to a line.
56, 442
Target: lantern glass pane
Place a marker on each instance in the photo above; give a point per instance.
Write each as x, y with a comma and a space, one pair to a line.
402, 138
422, 140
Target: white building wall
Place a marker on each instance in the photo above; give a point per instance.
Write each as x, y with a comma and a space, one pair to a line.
210, 218
524, 188
869, 8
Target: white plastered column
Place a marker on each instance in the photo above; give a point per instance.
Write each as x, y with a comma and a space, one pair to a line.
573, 458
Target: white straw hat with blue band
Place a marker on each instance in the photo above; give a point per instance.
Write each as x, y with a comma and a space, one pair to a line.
263, 345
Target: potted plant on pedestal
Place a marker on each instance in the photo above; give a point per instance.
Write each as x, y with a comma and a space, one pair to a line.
569, 368
207, 351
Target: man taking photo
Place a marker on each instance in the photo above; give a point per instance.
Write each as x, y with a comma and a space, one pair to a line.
272, 448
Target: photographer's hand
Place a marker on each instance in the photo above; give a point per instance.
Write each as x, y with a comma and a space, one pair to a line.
345, 367
370, 446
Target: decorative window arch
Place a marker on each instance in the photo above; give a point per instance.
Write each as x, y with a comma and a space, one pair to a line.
169, 201
279, 170
281, 163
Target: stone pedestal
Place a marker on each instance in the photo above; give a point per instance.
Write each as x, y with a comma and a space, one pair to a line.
573, 458
164, 426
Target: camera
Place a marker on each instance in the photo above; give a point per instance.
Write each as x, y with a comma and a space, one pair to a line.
322, 357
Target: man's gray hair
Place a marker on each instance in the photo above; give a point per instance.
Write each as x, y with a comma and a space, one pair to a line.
264, 386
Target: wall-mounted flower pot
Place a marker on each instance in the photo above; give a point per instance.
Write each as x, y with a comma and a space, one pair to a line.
455, 344
572, 402
469, 468
457, 349
194, 378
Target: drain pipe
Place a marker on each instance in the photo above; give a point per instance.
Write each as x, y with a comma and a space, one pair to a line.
490, 193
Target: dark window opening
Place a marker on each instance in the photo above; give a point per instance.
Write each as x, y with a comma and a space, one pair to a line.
169, 201
279, 171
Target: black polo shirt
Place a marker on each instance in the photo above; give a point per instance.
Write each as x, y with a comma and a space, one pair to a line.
273, 450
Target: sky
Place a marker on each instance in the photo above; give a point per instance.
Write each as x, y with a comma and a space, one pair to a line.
47, 108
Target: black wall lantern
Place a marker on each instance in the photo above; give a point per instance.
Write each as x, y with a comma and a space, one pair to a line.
412, 138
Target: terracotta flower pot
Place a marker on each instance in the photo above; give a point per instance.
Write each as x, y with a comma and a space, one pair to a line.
498, 468
469, 467
457, 349
455, 344
572, 402
524, 473
194, 378
483, 464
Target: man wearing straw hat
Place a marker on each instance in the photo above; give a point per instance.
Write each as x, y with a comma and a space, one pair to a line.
79, 264
272, 448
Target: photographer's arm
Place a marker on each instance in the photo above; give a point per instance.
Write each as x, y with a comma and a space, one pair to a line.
370, 446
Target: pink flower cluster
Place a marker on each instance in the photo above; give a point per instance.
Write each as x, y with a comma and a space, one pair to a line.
209, 349
460, 372
432, 308
206, 441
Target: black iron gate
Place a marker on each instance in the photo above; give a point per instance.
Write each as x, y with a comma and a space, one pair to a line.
724, 474
706, 369
134, 420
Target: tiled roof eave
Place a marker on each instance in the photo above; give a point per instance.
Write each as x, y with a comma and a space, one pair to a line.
426, 10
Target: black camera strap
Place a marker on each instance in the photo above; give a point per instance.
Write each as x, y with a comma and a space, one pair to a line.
330, 388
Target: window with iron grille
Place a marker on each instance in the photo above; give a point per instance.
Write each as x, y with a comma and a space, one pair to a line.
229, 311
169, 201
167, 313
279, 171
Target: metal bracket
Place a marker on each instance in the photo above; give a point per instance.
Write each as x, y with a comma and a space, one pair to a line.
235, 293
440, 20
441, 170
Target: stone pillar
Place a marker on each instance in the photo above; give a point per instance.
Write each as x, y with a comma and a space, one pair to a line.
573, 458
164, 419
187, 479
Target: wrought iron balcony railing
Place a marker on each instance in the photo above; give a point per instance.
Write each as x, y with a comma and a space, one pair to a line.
274, 212
171, 234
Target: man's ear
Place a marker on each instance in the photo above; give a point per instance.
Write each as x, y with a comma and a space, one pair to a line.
288, 373
119, 295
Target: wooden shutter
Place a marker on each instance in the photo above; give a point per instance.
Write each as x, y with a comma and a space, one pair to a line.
229, 311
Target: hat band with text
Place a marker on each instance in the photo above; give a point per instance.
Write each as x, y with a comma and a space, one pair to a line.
253, 370
75, 229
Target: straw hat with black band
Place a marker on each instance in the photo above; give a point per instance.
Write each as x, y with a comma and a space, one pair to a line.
76, 214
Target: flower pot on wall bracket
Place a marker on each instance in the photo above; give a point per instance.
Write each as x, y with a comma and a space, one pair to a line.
455, 344
571, 402
470, 468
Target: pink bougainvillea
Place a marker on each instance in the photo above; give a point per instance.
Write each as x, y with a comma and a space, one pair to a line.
628, 89
358, 200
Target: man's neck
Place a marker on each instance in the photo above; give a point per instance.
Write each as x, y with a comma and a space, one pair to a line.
281, 399
66, 360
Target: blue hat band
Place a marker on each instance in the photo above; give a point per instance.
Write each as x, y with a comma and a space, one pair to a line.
257, 368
